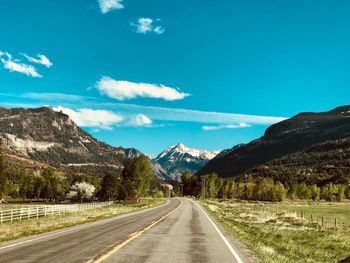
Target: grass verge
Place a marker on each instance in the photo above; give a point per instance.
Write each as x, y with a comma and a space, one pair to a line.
282, 236
17, 229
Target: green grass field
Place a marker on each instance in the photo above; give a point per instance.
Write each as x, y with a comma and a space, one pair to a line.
275, 233
17, 229
328, 210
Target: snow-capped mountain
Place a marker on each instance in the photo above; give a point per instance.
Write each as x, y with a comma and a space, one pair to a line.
180, 158
150, 156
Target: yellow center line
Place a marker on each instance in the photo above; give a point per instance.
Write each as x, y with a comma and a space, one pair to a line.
131, 238
133, 234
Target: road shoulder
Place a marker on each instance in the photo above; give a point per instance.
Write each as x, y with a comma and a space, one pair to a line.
246, 255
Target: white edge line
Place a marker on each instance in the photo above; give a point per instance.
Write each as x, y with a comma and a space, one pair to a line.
233, 252
86, 225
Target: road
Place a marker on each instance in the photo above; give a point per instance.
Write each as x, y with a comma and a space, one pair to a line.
178, 231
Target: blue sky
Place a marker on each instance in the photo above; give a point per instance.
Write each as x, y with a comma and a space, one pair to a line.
149, 74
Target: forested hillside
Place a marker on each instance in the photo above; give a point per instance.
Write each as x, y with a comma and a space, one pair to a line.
287, 137
320, 164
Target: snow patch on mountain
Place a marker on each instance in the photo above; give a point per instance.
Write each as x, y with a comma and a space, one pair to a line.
179, 158
182, 149
150, 156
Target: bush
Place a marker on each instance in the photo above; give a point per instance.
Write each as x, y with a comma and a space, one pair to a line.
81, 192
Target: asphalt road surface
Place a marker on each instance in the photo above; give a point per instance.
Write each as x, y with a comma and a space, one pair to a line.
178, 231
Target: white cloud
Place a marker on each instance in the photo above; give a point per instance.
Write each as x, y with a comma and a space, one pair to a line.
140, 120
146, 25
100, 119
159, 30
158, 115
42, 59
188, 115
122, 90
225, 126
109, 5
53, 96
15, 65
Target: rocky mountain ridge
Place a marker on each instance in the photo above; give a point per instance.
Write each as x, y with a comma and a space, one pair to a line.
179, 158
52, 137
47, 136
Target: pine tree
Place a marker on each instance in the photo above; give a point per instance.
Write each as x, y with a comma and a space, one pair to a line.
187, 181
110, 187
136, 177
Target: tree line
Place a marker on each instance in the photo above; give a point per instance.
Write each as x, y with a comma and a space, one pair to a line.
133, 182
260, 189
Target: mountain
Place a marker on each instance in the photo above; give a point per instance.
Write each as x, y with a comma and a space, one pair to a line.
132, 153
319, 164
51, 137
180, 158
150, 156
289, 136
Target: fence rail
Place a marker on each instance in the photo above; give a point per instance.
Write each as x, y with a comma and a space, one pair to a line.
10, 215
321, 220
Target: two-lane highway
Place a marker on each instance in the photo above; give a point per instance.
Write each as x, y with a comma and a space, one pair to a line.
178, 231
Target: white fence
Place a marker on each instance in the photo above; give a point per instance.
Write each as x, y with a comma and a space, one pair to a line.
29, 212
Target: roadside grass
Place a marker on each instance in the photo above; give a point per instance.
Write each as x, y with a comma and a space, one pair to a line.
282, 236
328, 210
17, 229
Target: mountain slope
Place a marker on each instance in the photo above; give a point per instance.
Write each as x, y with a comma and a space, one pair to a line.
319, 164
179, 158
52, 137
286, 137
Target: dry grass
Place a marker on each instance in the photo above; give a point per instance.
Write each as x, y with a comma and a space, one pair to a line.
282, 236
14, 230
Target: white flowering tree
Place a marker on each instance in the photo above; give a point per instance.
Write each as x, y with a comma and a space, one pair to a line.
81, 191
